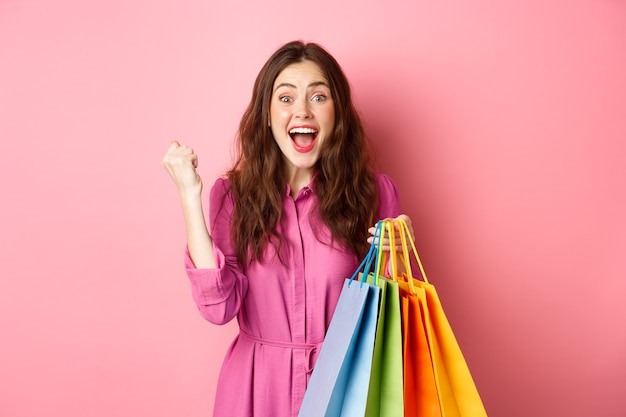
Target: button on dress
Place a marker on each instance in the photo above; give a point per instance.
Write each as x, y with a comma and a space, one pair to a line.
283, 309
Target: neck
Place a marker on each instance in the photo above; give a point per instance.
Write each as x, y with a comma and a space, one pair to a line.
298, 179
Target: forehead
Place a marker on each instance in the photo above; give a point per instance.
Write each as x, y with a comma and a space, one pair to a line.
301, 73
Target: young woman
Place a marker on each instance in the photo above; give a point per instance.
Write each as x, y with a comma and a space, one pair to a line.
289, 222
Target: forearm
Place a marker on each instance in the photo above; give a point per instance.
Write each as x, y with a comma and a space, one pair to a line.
199, 241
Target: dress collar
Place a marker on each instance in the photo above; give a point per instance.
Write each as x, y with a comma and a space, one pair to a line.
304, 191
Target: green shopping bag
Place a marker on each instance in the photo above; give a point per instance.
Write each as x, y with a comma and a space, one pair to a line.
385, 394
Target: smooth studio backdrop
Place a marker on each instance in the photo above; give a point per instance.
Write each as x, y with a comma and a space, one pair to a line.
502, 122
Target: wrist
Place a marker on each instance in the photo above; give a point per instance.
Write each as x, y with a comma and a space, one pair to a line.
191, 196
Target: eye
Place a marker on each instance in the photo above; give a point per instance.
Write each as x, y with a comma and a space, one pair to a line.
319, 97
285, 99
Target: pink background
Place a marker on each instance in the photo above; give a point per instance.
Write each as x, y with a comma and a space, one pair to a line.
503, 124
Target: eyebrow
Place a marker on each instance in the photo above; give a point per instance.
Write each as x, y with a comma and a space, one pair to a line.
313, 84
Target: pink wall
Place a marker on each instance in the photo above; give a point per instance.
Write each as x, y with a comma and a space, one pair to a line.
503, 124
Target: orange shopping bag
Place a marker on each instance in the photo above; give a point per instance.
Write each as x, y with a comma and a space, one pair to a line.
421, 396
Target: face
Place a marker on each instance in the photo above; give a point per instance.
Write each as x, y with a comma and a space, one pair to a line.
302, 115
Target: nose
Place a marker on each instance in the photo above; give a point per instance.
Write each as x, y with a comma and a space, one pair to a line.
302, 109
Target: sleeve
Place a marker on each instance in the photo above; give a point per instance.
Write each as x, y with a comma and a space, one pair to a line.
219, 292
388, 198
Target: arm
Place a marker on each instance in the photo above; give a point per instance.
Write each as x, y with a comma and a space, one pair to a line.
180, 162
219, 292
199, 241
217, 282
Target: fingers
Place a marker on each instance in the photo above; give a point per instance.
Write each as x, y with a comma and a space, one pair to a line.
177, 152
385, 242
177, 149
170, 151
407, 220
174, 145
404, 217
181, 162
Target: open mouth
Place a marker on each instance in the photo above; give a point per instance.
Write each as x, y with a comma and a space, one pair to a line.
303, 138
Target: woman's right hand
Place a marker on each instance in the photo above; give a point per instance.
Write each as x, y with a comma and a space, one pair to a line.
181, 162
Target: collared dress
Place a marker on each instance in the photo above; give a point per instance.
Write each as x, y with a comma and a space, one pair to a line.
283, 308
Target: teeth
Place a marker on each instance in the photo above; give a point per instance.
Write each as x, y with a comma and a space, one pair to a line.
302, 130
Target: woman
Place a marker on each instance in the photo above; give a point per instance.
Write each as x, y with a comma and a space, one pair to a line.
289, 223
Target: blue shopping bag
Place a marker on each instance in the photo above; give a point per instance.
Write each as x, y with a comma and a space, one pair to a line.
339, 382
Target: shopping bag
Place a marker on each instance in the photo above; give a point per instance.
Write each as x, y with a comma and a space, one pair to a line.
385, 395
337, 387
421, 391
437, 379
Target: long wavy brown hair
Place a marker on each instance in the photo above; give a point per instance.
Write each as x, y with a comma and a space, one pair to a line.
345, 186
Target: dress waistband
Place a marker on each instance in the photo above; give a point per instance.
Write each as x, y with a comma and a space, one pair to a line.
277, 343
309, 348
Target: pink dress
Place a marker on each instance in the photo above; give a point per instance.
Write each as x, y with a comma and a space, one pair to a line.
283, 310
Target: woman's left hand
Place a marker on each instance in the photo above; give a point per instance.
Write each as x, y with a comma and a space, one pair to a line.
385, 241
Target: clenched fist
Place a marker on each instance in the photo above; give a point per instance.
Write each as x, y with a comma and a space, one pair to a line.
181, 162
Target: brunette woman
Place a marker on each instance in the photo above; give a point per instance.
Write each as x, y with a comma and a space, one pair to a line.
289, 222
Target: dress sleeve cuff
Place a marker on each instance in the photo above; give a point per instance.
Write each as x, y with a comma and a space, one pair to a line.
208, 284
219, 260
